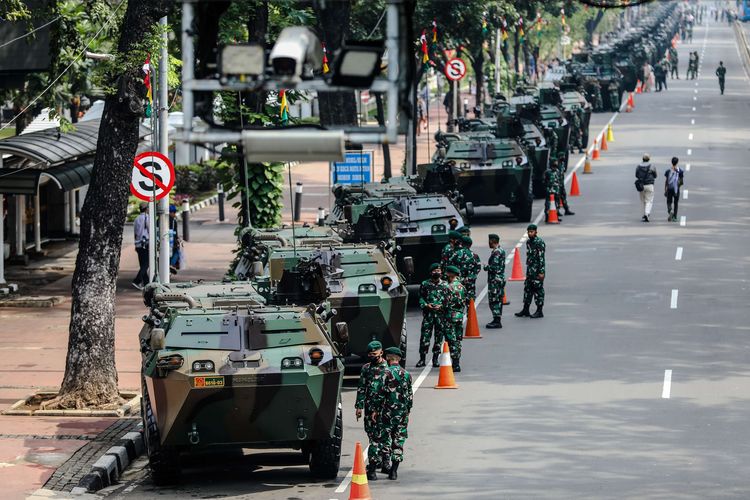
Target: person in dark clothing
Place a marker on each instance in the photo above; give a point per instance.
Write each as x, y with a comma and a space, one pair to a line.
645, 174
141, 240
174, 240
673, 179
721, 72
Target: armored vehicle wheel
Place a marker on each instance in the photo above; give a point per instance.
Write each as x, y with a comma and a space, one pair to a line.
163, 462
325, 455
402, 344
469, 210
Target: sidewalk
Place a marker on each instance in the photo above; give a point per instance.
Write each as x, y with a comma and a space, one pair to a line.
33, 343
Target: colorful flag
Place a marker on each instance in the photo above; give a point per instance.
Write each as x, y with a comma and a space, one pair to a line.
484, 26
562, 16
434, 32
504, 30
425, 53
325, 59
539, 21
147, 83
521, 34
284, 109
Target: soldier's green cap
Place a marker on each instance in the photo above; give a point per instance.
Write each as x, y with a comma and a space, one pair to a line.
454, 235
531, 227
494, 237
374, 346
434, 266
452, 269
467, 240
464, 230
394, 350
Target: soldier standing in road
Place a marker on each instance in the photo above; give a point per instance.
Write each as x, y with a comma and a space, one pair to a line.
433, 298
369, 386
454, 237
495, 281
721, 72
552, 184
533, 287
396, 402
563, 193
673, 63
577, 120
470, 267
454, 316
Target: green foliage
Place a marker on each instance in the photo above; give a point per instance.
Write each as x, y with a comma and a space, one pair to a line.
14, 10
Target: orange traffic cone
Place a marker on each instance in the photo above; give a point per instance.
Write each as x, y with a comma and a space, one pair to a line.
595, 153
574, 189
603, 146
638, 86
472, 325
359, 490
552, 214
517, 274
506, 302
631, 102
587, 166
446, 380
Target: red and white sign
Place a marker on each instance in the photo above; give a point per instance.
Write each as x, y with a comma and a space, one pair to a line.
455, 69
153, 176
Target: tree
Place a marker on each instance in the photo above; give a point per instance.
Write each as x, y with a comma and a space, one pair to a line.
90, 378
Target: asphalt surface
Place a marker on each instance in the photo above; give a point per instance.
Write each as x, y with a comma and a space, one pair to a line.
577, 405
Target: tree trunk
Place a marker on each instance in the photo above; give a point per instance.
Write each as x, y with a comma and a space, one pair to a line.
336, 108
90, 375
477, 64
591, 26
516, 46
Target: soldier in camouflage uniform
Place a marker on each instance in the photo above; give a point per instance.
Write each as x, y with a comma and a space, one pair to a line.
577, 120
454, 332
454, 237
395, 404
562, 192
368, 390
552, 185
470, 268
433, 298
533, 287
495, 281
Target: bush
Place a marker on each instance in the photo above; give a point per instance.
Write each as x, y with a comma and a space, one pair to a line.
197, 178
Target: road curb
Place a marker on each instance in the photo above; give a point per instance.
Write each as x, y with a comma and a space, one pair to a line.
110, 466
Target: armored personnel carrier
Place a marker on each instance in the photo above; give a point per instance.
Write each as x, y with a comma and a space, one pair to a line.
360, 281
221, 368
419, 222
576, 108
486, 171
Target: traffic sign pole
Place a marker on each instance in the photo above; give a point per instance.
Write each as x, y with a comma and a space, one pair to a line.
165, 250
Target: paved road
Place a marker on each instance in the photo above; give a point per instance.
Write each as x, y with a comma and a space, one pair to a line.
577, 405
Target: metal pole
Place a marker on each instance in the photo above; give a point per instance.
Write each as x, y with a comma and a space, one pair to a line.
37, 224
20, 226
165, 250
185, 220
220, 189
72, 211
188, 56
2, 239
498, 36
321, 216
455, 105
298, 202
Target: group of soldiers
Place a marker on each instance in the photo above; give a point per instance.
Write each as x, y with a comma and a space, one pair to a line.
445, 296
554, 182
384, 399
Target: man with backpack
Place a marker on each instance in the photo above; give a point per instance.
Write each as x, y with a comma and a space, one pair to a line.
672, 183
645, 175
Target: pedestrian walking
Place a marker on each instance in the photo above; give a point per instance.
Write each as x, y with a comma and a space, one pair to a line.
552, 186
533, 286
647, 70
454, 316
721, 72
692, 66
673, 179
175, 243
141, 238
645, 175
495, 281
368, 393
674, 60
395, 405
433, 300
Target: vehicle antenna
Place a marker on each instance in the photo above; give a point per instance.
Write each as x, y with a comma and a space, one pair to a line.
291, 202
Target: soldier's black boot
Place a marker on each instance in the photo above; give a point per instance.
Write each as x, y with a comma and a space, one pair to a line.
569, 211
435, 362
393, 474
495, 323
538, 313
456, 366
385, 469
525, 313
371, 474
421, 362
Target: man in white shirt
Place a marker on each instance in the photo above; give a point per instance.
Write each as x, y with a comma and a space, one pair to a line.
141, 230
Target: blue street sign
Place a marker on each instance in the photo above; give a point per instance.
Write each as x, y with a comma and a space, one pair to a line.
356, 168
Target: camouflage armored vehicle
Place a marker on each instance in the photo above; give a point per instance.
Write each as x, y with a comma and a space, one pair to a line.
576, 108
486, 171
420, 222
360, 281
600, 78
223, 369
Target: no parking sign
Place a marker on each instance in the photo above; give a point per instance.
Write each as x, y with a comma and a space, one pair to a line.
455, 69
153, 176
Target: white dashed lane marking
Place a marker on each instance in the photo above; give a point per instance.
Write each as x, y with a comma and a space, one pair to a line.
687, 167
666, 390
690, 152
673, 300
690, 137
683, 221
692, 122
678, 254
685, 194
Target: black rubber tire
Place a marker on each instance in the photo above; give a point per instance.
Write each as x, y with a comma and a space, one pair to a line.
325, 455
163, 462
403, 344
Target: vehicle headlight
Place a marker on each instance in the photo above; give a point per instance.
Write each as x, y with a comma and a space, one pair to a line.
203, 366
291, 363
